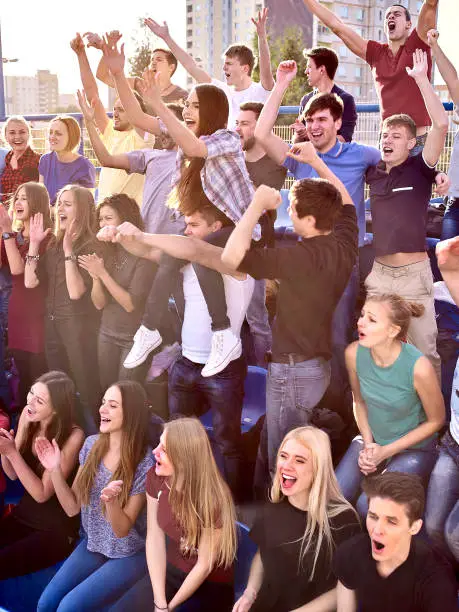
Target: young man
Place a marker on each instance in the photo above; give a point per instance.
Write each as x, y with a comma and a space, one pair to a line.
396, 92
321, 67
238, 66
118, 134
400, 190
387, 568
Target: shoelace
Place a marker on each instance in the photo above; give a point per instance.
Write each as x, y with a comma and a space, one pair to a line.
217, 343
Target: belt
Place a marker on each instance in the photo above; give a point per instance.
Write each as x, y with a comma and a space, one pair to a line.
290, 358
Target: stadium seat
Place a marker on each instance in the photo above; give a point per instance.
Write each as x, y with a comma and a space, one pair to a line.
14, 492
246, 550
283, 218
254, 397
21, 594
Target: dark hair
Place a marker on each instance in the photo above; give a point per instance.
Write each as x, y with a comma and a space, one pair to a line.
401, 120
170, 57
243, 53
61, 391
323, 56
324, 101
255, 107
177, 109
319, 198
399, 487
211, 214
400, 311
407, 12
213, 116
126, 207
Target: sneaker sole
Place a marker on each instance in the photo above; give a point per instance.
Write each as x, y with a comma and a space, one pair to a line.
130, 365
235, 353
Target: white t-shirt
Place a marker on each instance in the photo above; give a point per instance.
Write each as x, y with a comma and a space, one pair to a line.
255, 93
196, 328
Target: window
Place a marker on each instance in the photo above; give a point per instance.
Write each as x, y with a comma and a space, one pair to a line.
342, 71
358, 91
360, 14
189, 33
358, 72
189, 21
189, 9
343, 51
359, 31
379, 35
236, 25
189, 44
380, 16
343, 12
419, 4
236, 12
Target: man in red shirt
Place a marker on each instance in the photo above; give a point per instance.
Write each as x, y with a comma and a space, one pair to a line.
396, 91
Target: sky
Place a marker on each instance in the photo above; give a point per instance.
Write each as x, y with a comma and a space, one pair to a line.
40, 39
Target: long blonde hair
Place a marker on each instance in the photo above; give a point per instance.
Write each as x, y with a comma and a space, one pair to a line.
134, 443
199, 497
325, 498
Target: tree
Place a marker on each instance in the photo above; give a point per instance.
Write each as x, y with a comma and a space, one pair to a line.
145, 42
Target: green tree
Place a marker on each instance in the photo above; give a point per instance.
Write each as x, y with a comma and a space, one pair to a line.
145, 41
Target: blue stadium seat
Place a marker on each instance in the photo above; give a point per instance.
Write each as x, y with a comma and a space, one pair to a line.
21, 594
254, 397
14, 491
245, 553
283, 218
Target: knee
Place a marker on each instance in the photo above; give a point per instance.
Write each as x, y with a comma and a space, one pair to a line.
452, 533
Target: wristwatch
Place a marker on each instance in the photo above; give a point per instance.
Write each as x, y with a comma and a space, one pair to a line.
7, 235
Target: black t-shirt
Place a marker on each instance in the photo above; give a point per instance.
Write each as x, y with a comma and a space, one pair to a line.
278, 530
313, 275
423, 583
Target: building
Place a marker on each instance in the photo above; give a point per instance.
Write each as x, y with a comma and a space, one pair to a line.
29, 95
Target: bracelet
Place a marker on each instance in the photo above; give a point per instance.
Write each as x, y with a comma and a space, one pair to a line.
30, 258
159, 607
71, 257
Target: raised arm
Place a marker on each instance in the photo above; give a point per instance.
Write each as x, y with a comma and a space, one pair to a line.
266, 75
437, 135
89, 82
446, 68
156, 554
162, 31
427, 18
274, 146
36, 237
350, 38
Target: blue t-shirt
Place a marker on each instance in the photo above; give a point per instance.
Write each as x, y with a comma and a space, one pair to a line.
349, 161
349, 118
3, 153
57, 174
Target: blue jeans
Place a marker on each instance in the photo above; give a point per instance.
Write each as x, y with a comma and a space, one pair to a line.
442, 508
450, 227
258, 320
292, 392
412, 461
90, 581
190, 394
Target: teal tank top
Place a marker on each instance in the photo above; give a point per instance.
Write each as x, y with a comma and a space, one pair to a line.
394, 407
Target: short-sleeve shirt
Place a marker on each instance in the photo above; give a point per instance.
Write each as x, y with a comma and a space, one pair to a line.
397, 91
313, 275
254, 93
349, 161
423, 583
178, 94
113, 180
27, 170
97, 527
159, 490
349, 110
57, 174
158, 166
278, 531
399, 201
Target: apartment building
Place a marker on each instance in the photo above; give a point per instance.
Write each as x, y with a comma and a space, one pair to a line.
31, 94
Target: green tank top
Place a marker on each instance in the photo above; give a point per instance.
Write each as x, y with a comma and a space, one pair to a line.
394, 407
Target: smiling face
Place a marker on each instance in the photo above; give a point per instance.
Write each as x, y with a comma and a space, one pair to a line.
66, 209
295, 469
191, 112
108, 216
390, 530
120, 120
58, 136
396, 144
17, 136
322, 129
39, 407
111, 411
396, 26
234, 71
374, 324
245, 127
21, 205
163, 465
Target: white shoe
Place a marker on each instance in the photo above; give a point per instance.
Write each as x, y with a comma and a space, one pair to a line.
225, 347
145, 341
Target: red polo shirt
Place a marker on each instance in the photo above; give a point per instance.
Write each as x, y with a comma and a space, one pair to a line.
397, 91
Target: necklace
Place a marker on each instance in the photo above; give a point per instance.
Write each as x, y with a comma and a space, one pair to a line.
120, 262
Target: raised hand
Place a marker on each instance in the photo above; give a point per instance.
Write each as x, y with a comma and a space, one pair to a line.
70, 236
107, 233
111, 492
113, 36
432, 38
127, 231
447, 252
49, 454
114, 59
77, 44
286, 72
86, 110
303, 152
420, 65
161, 31
93, 264
149, 86
7, 445
268, 197
260, 22
6, 224
36, 232
94, 40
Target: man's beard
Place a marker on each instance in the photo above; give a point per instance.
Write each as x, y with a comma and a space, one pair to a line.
248, 144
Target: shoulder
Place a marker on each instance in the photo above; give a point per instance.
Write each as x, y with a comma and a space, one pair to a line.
349, 557
342, 93
154, 483
422, 366
414, 41
351, 351
345, 525
87, 446
374, 51
84, 162
222, 141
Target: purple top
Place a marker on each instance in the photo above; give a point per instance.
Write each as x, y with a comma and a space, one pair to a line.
57, 174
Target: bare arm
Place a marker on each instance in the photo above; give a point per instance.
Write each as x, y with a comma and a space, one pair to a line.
37, 235
448, 261
360, 407
350, 38
266, 76
324, 603
156, 553
347, 600
444, 65
15, 260
253, 585
98, 296
427, 18
122, 519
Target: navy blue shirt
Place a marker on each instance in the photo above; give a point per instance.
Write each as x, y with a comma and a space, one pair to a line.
349, 110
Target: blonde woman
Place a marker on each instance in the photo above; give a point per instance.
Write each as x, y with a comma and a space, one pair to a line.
109, 490
298, 532
190, 507
63, 165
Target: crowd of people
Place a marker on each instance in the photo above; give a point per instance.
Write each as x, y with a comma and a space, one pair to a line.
143, 509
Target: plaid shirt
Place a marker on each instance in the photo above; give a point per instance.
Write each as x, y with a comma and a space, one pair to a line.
27, 170
224, 176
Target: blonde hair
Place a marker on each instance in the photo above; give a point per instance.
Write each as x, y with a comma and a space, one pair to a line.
400, 311
199, 497
85, 218
325, 498
37, 200
73, 130
16, 119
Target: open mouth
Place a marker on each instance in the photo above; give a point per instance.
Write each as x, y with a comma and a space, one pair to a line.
190, 123
391, 26
105, 420
378, 547
362, 335
30, 411
387, 150
287, 481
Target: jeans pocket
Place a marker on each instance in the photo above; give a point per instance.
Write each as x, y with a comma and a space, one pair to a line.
310, 385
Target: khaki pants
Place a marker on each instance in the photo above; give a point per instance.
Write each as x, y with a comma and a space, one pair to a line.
414, 283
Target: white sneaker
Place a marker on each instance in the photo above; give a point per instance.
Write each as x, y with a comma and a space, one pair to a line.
225, 347
145, 341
